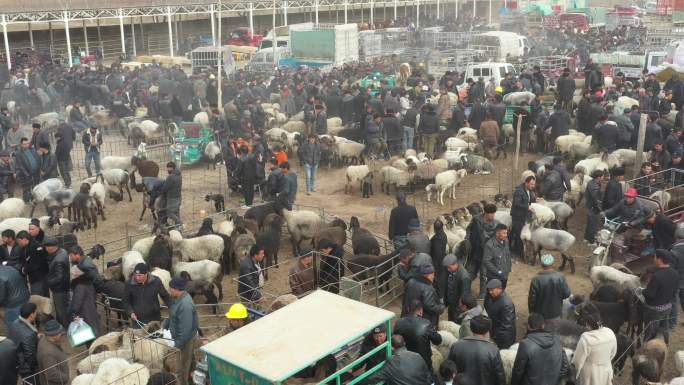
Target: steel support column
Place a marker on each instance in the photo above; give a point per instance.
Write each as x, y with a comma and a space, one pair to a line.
68, 38
346, 6
30, 28
123, 33
169, 22
135, 49
285, 12
251, 18
85, 38
213, 26
7, 49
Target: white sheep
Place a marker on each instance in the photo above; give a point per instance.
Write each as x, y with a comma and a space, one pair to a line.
205, 270
458, 144
143, 246
579, 150
561, 210
542, 238
117, 162
578, 184
225, 227
587, 166
468, 134
11, 208
446, 180
679, 362
117, 178
507, 130
449, 326
437, 359
198, 248
608, 158
393, 176
298, 117
503, 215
410, 152
476, 164
517, 98
91, 363
302, 225
117, 371
542, 214
601, 275
625, 102
294, 126
349, 150
276, 134
128, 261
448, 340
626, 156
401, 164
163, 275
201, 118
19, 224
334, 122
355, 175
563, 142
99, 192
42, 191
83, 379
43, 304
508, 359
453, 157
663, 197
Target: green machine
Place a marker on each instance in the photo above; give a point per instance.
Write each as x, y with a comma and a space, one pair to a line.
374, 81
189, 142
278, 346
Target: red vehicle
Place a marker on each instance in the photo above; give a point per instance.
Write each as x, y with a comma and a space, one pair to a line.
574, 20
243, 36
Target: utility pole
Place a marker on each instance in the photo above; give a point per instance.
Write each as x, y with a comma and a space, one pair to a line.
640, 143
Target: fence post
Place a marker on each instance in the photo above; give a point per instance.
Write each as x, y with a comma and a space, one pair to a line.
377, 288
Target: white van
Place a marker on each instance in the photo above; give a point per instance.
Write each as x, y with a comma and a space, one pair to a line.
489, 70
498, 45
263, 60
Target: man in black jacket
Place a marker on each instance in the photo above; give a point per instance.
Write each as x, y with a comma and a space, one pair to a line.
613, 193
501, 310
27, 164
559, 122
421, 288
399, 219
428, 128
58, 279
566, 90
92, 141
13, 293
663, 229
523, 196
8, 361
548, 289
40, 137
456, 283
478, 232
48, 162
403, 368
141, 296
247, 172
65, 137
541, 359
606, 134
33, 263
659, 295
251, 277
496, 256
172, 193
418, 332
593, 204
477, 357
25, 335
553, 187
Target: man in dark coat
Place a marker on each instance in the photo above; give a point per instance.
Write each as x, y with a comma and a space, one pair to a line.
421, 288
84, 279
172, 193
478, 232
394, 132
477, 357
247, 172
92, 141
553, 187
497, 110
9, 361
403, 368
13, 293
251, 277
523, 196
33, 263
48, 163
541, 359
663, 230
559, 122
496, 256
438, 246
428, 128
566, 90
25, 335
659, 295
477, 114
418, 332
501, 310
27, 164
398, 221
65, 137
606, 134
40, 137
548, 289
321, 122
417, 238
454, 285
613, 193
593, 205
141, 296
58, 279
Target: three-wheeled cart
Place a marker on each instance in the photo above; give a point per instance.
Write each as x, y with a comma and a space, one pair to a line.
280, 345
189, 142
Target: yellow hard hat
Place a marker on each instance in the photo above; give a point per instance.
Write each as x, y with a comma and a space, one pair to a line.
237, 311
499, 89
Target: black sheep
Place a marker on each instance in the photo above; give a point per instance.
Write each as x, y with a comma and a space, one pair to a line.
258, 213
363, 241
219, 201
161, 253
207, 227
361, 263
269, 239
113, 292
200, 287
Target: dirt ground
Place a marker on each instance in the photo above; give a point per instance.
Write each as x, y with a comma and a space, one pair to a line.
122, 223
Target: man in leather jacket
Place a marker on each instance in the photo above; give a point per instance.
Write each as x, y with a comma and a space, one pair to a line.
403, 368
421, 288
476, 357
548, 289
25, 335
501, 310
418, 333
540, 359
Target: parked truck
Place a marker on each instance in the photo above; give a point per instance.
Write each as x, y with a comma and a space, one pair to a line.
629, 63
323, 45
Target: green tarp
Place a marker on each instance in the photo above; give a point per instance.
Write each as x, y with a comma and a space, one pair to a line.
544, 9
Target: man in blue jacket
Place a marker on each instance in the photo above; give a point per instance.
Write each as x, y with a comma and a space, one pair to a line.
183, 325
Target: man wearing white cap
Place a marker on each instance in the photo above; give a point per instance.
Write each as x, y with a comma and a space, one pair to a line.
548, 289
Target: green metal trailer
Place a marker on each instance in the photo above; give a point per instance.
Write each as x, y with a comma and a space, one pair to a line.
276, 347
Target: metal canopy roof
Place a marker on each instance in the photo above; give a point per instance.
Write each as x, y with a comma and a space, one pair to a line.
43, 11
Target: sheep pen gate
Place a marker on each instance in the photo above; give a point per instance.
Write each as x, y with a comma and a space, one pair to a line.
153, 356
